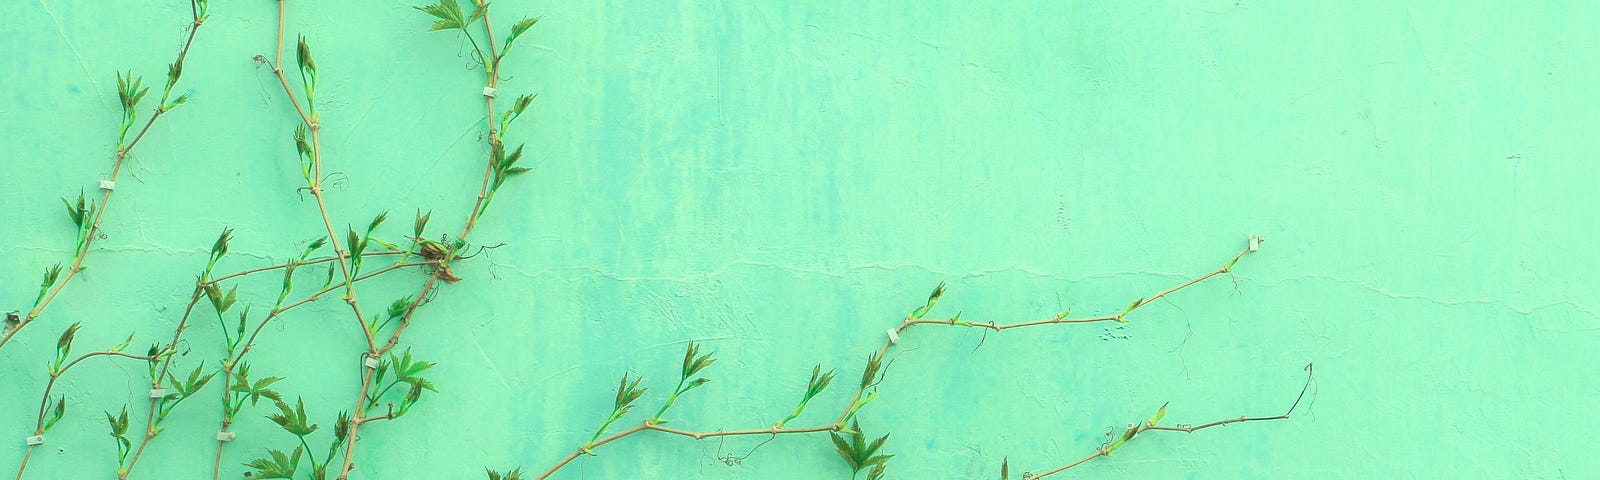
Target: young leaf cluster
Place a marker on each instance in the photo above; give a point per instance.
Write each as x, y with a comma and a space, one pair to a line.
627, 393
50, 276
358, 243
82, 215
276, 465
819, 382
307, 156
294, 420
130, 91
183, 390
242, 389
59, 411
119, 431
511, 114
515, 474
448, 15
869, 377
504, 167
933, 299
693, 363
308, 77
1134, 430
407, 371
63, 349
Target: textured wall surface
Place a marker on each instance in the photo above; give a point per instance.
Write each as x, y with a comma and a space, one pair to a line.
785, 180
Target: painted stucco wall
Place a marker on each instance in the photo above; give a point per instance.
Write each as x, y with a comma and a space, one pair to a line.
784, 180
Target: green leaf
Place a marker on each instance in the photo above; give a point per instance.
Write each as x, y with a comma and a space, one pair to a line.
129, 91
843, 449
259, 389
174, 70
64, 344
515, 474
50, 275
341, 428
378, 220
933, 298
817, 385
279, 465
399, 307
518, 29
857, 452
76, 214
353, 242
1158, 416
313, 246
627, 393
123, 345
478, 12
220, 247
693, 364
303, 56
300, 144
1131, 306
871, 372
119, 424
448, 13
293, 420
420, 223
55, 415
877, 471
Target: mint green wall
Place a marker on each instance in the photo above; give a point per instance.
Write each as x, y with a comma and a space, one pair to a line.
784, 180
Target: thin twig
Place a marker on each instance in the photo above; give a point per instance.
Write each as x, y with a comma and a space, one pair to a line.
44, 401
492, 72
851, 406
1105, 450
105, 201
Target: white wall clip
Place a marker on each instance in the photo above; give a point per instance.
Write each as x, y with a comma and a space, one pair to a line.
894, 337
36, 440
158, 392
226, 436
489, 92
1255, 242
370, 361
108, 185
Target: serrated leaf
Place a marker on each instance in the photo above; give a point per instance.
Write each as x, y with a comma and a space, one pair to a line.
278, 465
448, 13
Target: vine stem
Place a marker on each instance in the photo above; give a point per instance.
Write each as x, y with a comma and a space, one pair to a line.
228, 367
44, 402
691, 434
105, 200
78, 257
281, 266
316, 182
493, 74
1105, 451
909, 322
155, 383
